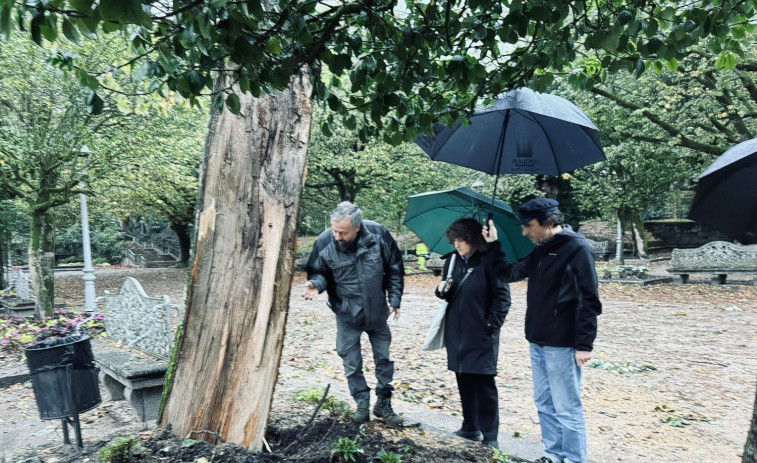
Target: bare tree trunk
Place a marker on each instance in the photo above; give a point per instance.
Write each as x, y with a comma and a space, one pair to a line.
42, 262
4, 282
750, 448
639, 234
227, 358
182, 235
638, 241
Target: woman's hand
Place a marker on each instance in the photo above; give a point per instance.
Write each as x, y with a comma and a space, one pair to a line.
490, 232
444, 286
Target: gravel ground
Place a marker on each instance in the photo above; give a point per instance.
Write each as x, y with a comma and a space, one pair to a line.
675, 375
693, 406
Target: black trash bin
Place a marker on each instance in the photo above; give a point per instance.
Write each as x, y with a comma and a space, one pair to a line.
64, 379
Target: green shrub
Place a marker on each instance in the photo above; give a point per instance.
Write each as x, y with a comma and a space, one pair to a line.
385, 456
347, 449
336, 408
119, 450
501, 456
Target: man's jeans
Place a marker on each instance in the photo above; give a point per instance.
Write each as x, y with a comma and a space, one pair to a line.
348, 347
557, 395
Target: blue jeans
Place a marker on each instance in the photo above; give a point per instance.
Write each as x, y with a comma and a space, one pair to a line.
557, 395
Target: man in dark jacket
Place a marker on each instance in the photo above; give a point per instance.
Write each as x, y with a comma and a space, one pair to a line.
358, 264
561, 324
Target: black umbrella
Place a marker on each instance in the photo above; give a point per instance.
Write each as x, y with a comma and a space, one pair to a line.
726, 195
523, 132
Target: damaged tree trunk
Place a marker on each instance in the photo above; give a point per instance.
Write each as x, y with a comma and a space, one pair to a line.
227, 358
750, 448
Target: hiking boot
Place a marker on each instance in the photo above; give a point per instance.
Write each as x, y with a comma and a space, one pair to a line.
362, 414
475, 436
492, 444
544, 459
383, 410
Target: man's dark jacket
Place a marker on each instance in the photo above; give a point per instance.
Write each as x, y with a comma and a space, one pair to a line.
476, 312
563, 300
359, 281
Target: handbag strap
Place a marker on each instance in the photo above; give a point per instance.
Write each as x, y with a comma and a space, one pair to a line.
451, 266
465, 277
467, 274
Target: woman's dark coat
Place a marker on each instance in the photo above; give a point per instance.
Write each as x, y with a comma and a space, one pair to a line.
476, 312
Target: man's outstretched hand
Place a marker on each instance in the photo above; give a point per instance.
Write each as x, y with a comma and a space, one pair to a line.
310, 291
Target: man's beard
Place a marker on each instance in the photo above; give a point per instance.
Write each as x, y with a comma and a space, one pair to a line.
347, 246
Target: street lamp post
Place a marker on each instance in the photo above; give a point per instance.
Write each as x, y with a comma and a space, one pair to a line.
88, 272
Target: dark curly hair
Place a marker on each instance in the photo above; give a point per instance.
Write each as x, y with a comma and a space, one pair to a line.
468, 230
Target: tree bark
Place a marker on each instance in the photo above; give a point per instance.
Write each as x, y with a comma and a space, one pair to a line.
185, 244
42, 261
750, 448
3, 259
639, 235
227, 358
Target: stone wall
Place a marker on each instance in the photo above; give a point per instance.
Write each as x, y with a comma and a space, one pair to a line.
680, 234
662, 234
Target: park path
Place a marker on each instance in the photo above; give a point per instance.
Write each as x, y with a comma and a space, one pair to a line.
691, 401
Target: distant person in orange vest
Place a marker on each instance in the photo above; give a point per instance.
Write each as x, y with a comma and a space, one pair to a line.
421, 252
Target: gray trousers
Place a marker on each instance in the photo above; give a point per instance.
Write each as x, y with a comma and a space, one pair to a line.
348, 348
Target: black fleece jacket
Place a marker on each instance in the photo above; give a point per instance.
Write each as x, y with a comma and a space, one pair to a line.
563, 299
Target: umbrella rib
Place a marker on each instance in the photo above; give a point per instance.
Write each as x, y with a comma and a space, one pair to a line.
549, 140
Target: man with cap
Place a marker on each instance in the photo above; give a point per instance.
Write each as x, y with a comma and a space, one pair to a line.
561, 323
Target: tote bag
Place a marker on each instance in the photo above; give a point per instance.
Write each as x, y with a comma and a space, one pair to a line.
435, 337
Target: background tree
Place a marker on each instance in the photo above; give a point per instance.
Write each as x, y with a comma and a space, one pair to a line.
157, 177
377, 176
44, 125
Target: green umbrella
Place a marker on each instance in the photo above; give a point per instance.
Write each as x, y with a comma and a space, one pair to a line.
429, 215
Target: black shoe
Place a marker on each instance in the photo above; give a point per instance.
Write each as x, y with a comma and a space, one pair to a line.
492, 444
362, 414
544, 459
475, 436
383, 409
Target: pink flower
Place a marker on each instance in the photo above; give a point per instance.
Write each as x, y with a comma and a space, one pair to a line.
4, 342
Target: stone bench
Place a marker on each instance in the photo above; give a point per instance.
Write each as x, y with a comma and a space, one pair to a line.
600, 249
435, 263
133, 360
717, 258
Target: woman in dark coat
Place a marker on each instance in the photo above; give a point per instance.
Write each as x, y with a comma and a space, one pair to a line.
478, 303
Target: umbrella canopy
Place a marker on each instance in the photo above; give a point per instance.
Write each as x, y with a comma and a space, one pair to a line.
429, 215
523, 132
726, 197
